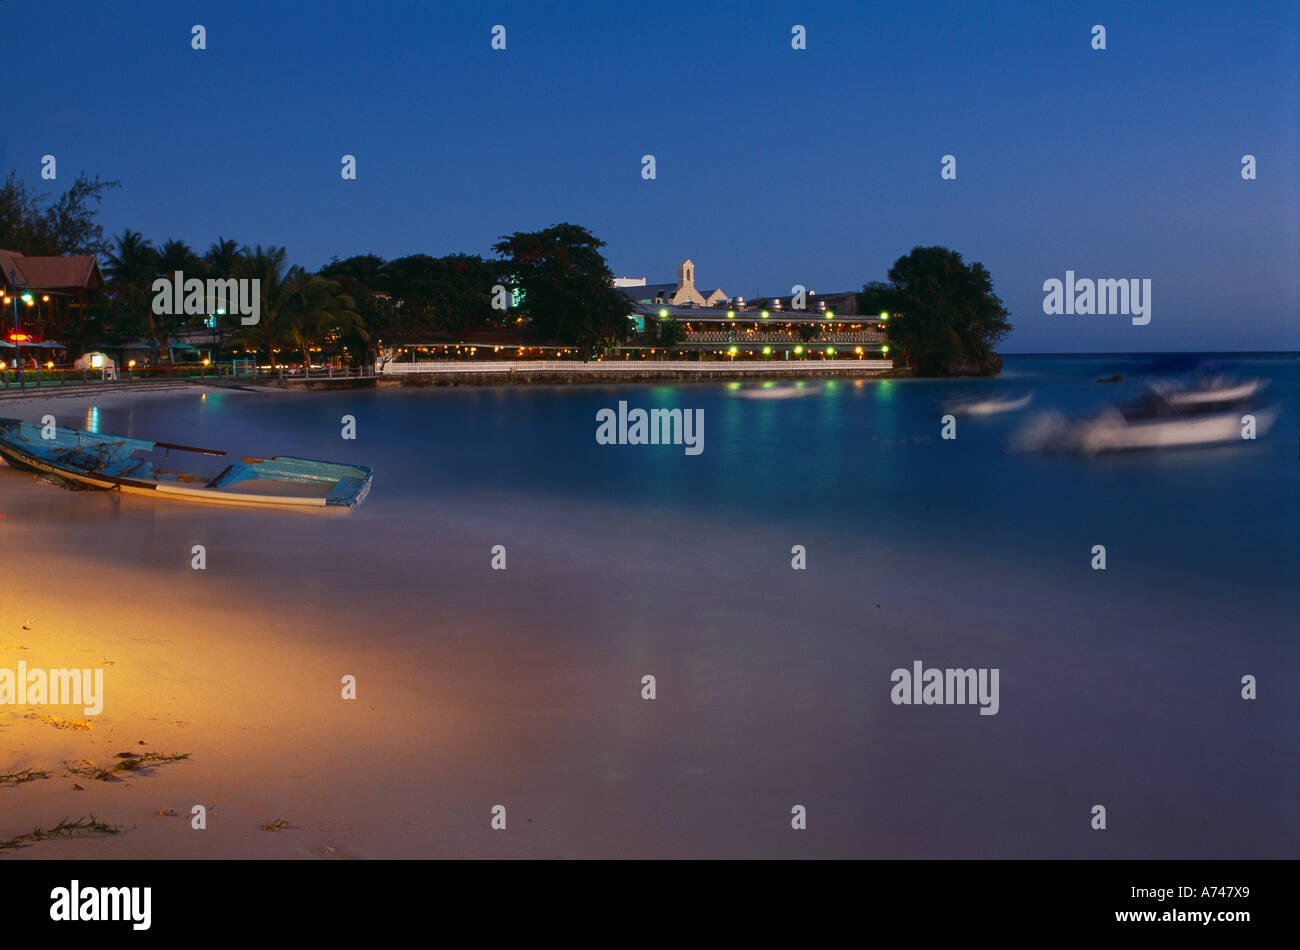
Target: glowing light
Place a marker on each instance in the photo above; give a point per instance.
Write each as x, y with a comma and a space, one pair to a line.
798, 350
663, 313
131, 363
830, 350
765, 314
883, 315
858, 350
731, 315
732, 351
767, 350
884, 349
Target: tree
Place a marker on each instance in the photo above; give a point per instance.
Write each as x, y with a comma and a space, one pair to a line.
220, 263
72, 221
68, 226
130, 267
267, 265
944, 317
365, 279
670, 332
448, 296
568, 291
316, 313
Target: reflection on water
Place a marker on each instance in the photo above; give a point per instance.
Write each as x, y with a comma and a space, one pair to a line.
628, 559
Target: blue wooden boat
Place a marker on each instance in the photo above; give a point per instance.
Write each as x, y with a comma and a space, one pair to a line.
138, 467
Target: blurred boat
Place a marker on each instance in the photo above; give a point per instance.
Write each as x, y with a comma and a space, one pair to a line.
777, 392
134, 466
989, 407
1168, 415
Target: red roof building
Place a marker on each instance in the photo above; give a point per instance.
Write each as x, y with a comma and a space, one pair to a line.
58, 286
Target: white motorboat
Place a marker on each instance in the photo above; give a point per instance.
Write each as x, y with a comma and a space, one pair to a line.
989, 407
1213, 412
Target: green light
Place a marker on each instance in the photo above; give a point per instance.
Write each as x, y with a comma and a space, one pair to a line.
830, 350
764, 314
663, 313
829, 314
884, 349
883, 315
732, 351
798, 350
731, 315
767, 351
27, 297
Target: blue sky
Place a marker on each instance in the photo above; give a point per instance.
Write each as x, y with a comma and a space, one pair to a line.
774, 166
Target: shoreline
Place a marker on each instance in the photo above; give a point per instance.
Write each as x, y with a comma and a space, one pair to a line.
467, 377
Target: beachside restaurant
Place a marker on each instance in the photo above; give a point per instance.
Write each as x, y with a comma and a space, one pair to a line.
770, 331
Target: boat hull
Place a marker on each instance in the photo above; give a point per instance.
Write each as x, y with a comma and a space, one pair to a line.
351, 483
1112, 433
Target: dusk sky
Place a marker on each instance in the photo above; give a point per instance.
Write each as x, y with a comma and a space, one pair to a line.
774, 166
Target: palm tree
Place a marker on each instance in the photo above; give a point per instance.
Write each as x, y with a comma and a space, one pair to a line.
131, 266
220, 262
267, 265
318, 313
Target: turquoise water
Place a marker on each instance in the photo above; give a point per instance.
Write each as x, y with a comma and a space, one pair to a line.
1119, 687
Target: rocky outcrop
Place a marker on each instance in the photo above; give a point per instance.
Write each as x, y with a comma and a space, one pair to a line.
990, 365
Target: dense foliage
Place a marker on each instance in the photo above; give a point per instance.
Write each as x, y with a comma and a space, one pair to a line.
944, 317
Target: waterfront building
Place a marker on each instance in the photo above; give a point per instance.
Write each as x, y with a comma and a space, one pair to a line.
678, 321
54, 292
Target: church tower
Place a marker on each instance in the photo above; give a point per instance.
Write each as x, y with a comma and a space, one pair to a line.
685, 276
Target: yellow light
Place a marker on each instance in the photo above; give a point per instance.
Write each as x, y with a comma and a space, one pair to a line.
130, 363
45, 298
207, 362
884, 349
50, 365
858, 350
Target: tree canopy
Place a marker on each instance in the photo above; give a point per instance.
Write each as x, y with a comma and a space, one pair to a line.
35, 228
568, 292
944, 317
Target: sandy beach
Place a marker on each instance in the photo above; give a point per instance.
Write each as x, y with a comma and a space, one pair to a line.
523, 688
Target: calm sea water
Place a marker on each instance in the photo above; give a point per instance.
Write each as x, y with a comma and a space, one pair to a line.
1119, 688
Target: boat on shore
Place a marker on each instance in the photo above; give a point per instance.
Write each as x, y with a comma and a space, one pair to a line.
1168, 415
139, 467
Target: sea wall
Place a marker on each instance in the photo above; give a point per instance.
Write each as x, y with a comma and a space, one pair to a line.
551, 377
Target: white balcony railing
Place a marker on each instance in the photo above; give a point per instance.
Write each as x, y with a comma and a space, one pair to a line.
614, 366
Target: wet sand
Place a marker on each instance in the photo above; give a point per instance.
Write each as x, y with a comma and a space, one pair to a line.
523, 688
